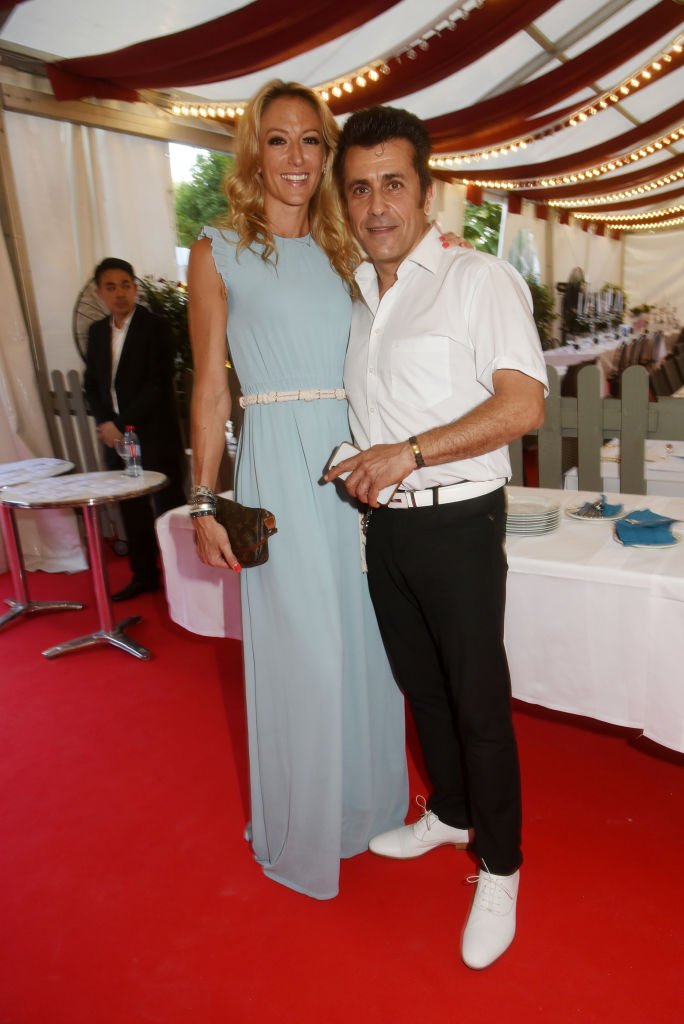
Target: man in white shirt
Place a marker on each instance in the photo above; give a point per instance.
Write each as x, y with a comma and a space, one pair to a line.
443, 370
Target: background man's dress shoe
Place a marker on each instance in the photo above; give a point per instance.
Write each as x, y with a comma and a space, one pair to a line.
134, 588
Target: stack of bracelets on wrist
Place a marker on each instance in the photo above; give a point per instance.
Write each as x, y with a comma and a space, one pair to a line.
202, 502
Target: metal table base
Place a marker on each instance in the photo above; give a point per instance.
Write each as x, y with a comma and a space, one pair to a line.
22, 604
115, 636
109, 631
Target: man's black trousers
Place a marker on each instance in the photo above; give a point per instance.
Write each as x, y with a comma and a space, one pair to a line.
437, 577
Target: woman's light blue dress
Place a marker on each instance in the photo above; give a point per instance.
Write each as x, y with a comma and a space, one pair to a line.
325, 717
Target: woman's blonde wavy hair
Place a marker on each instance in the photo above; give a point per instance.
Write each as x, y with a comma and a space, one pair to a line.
245, 190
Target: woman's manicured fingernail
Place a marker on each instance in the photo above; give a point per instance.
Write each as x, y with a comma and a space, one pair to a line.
237, 567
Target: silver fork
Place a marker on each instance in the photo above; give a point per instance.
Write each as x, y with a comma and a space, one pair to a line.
594, 511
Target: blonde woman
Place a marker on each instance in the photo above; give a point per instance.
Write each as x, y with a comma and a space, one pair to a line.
325, 719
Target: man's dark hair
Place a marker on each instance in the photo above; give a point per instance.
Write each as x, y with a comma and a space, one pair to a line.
112, 263
375, 125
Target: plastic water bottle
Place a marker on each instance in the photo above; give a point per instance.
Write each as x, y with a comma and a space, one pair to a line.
132, 452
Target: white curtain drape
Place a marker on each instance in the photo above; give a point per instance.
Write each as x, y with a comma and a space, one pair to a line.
49, 540
654, 270
83, 194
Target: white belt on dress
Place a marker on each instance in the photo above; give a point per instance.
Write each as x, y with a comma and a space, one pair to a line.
306, 395
462, 491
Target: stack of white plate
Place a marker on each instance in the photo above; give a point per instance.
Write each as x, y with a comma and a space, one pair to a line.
532, 516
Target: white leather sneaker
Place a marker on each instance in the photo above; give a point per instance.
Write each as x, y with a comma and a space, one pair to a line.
490, 927
422, 836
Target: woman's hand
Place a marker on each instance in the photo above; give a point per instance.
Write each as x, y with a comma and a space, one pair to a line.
213, 547
451, 241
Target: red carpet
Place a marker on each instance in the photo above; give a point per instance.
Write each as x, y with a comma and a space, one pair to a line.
128, 895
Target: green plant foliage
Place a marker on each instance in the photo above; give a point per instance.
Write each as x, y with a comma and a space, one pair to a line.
640, 310
170, 300
202, 200
543, 309
482, 225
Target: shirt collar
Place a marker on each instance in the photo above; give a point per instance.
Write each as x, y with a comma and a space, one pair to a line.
367, 280
427, 254
124, 325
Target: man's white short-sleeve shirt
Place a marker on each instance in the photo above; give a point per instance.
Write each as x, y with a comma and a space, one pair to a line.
425, 354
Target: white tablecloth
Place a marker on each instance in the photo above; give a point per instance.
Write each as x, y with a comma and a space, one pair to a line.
50, 541
592, 628
586, 350
663, 465
595, 628
201, 599
605, 354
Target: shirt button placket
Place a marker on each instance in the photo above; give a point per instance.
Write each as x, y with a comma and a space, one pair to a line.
372, 380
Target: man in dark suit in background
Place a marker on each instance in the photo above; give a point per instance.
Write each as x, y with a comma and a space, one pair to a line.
129, 380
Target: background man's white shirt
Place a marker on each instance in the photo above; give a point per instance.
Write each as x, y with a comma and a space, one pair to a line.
118, 335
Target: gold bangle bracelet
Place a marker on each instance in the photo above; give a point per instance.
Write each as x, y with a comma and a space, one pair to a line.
417, 454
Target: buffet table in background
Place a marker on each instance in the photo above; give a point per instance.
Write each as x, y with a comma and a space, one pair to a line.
592, 628
605, 353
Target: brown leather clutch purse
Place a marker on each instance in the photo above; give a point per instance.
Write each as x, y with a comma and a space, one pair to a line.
248, 530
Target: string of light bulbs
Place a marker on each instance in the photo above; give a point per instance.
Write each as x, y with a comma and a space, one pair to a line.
665, 225
618, 197
586, 174
364, 75
345, 84
645, 75
666, 211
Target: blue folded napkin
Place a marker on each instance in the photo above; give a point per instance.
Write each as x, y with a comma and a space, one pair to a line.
645, 527
599, 511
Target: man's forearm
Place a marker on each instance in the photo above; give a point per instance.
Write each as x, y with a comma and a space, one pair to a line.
513, 411
516, 407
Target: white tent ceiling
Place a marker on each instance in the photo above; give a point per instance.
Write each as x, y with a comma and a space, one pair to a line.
75, 28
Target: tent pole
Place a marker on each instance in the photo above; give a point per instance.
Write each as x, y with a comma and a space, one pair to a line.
10, 221
549, 275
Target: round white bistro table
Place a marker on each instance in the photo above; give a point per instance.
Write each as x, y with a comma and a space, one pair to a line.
87, 491
12, 474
